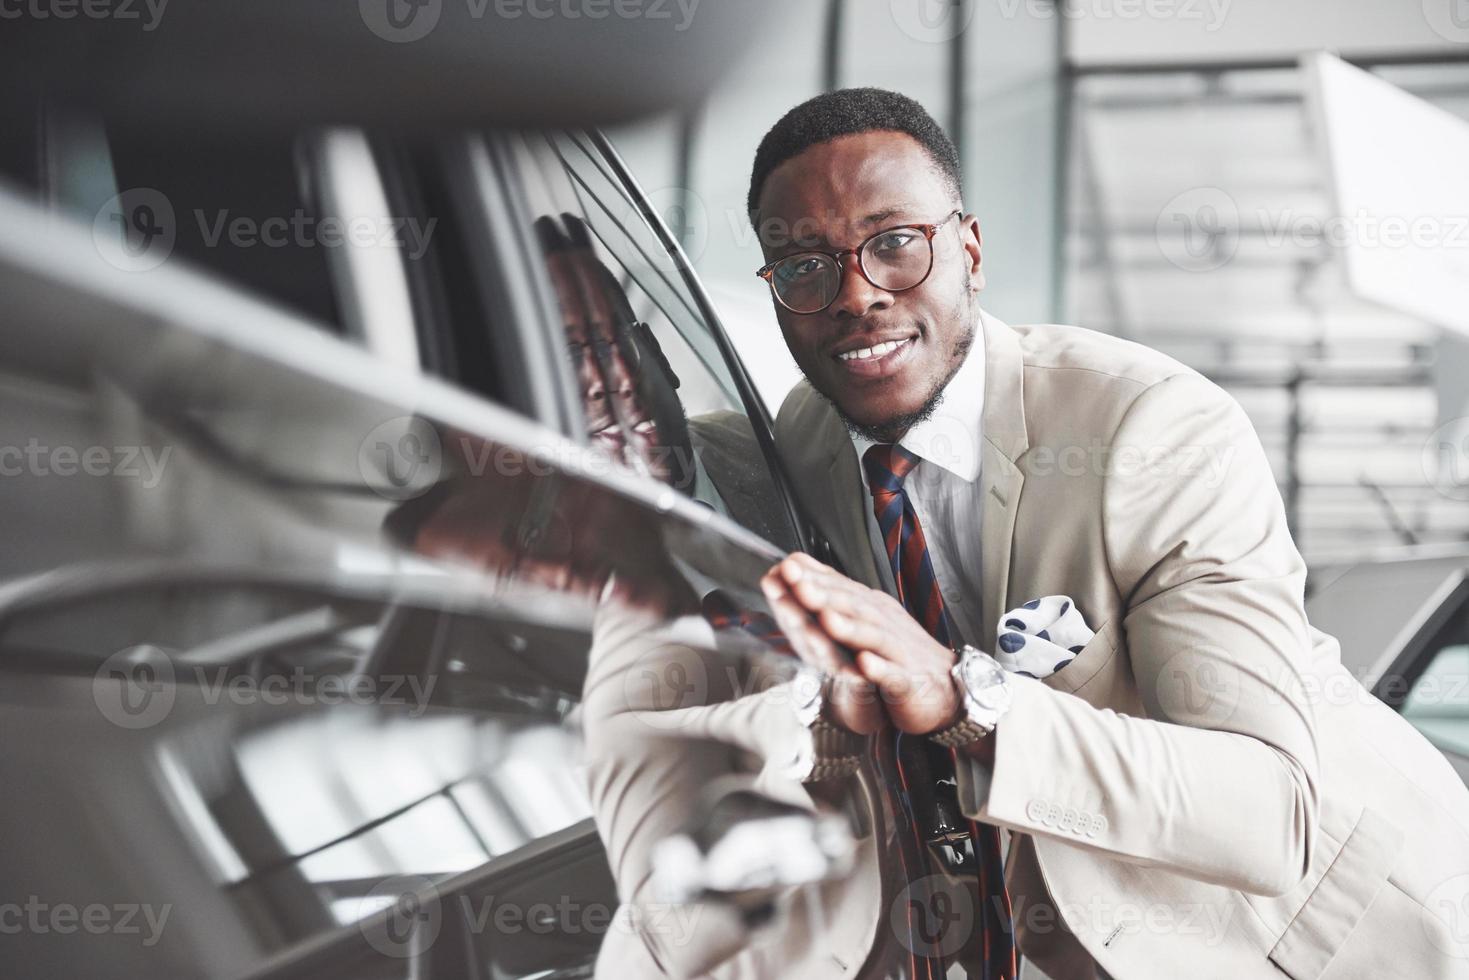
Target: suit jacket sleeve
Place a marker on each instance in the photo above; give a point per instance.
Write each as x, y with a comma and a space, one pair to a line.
1217, 781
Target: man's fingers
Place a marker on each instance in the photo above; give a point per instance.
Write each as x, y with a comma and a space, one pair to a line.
817, 587
893, 681
846, 623
805, 634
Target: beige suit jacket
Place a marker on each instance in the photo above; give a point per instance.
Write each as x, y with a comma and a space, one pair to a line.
1204, 791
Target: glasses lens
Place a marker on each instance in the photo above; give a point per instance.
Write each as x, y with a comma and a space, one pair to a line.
897, 259
806, 283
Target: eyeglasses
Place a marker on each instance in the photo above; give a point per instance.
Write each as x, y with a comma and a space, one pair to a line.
893, 260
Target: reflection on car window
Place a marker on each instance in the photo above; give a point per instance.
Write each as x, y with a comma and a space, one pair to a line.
1438, 704
657, 394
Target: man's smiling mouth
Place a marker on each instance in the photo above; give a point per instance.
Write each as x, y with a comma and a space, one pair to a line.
875, 360
878, 350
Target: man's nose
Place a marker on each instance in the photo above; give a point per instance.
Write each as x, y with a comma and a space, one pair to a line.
856, 296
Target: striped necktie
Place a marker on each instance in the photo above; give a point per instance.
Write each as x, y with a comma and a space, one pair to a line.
887, 467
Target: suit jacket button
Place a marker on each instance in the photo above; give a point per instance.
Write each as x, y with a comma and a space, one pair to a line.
1036, 810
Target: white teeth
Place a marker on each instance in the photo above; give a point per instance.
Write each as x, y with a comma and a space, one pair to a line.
877, 350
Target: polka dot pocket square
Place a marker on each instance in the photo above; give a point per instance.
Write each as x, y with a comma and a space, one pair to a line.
1042, 636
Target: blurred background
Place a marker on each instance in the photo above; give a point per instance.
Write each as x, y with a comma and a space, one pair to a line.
1161, 171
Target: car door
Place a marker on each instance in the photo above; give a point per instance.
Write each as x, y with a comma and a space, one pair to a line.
295, 635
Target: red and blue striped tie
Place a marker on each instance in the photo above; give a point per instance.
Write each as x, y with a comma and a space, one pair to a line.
887, 467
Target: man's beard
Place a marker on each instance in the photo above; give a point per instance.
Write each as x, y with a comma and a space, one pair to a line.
892, 429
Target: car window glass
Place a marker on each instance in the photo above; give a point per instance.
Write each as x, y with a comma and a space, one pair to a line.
658, 395
1438, 704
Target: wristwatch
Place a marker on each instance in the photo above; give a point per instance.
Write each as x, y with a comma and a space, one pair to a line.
986, 697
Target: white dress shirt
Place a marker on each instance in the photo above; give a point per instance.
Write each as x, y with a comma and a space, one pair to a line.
946, 494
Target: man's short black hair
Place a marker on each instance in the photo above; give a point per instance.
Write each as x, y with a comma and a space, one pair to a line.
843, 113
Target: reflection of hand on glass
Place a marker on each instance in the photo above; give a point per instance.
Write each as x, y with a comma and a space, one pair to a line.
504, 512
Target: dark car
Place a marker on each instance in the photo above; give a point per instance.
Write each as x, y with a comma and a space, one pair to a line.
309, 511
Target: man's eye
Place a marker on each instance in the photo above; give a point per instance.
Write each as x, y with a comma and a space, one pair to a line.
800, 268
894, 241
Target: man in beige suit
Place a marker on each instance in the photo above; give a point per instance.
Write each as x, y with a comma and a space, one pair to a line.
1203, 791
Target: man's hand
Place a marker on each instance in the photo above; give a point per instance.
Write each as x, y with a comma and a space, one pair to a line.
823, 610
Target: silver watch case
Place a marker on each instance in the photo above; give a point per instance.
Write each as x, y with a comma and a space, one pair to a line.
985, 686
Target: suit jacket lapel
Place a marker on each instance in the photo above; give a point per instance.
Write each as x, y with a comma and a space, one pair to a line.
818, 455
1004, 441
848, 517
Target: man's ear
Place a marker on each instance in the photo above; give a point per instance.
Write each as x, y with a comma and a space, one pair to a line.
973, 242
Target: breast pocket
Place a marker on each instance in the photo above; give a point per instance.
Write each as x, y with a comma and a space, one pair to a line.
1098, 652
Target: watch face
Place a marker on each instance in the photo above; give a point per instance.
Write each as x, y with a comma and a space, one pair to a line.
985, 681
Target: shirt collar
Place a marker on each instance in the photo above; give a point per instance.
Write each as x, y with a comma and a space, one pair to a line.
950, 438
